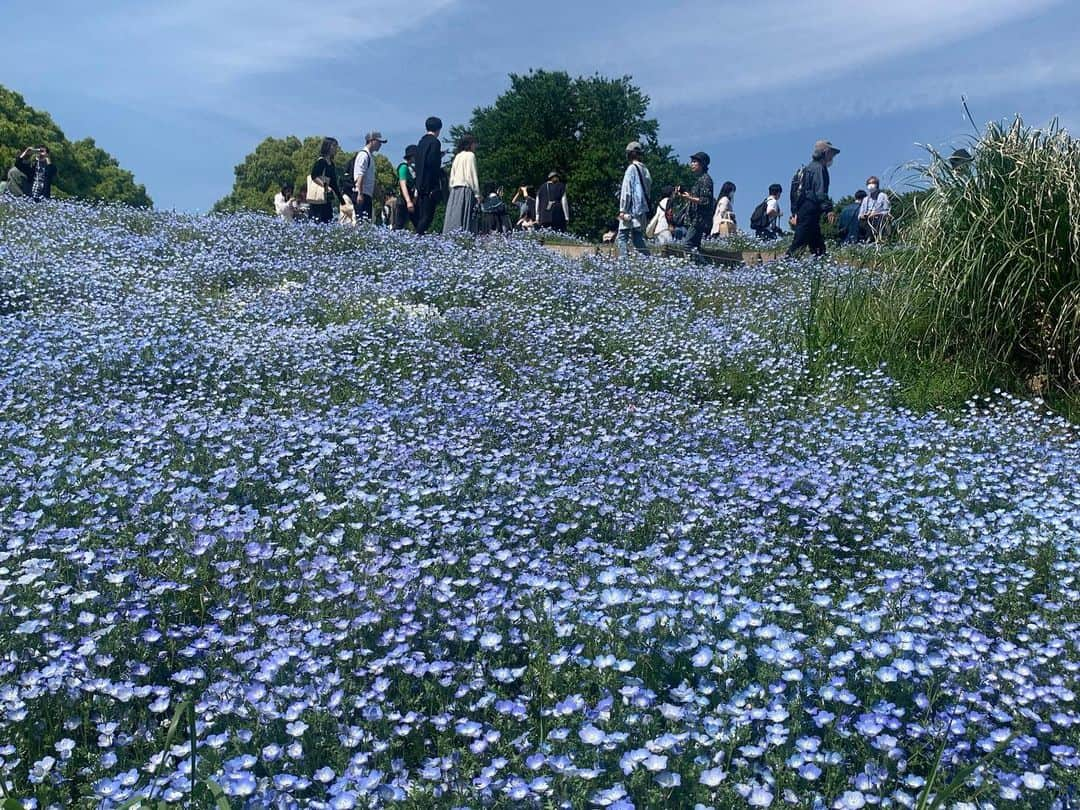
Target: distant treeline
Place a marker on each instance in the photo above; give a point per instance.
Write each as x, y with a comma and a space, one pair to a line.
83, 169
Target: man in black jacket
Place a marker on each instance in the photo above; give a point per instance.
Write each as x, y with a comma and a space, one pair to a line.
429, 174
811, 199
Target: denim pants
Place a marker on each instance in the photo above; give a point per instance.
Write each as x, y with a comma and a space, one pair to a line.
625, 235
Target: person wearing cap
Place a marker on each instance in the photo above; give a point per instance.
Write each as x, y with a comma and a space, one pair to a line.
552, 206
364, 174
429, 174
810, 199
960, 159
699, 199
633, 202
405, 209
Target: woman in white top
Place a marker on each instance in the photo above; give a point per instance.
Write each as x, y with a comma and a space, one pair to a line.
461, 209
723, 223
659, 229
284, 204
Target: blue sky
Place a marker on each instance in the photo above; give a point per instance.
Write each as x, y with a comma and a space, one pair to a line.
180, 91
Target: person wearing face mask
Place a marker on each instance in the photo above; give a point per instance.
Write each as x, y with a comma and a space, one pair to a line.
875, 210
810, 199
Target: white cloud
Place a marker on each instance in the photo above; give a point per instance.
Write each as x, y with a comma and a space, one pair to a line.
225, 42
899, 93
736, 49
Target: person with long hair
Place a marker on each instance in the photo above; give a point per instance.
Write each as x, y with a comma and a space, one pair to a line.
723, 223
324, 174
461, 209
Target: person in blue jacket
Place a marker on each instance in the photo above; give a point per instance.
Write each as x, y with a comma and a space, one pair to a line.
848, 222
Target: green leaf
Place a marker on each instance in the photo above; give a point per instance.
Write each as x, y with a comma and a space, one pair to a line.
221, 801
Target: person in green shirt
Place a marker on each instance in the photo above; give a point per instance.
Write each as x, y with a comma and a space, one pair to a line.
405, 208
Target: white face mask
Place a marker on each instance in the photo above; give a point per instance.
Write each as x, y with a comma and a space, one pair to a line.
872, 187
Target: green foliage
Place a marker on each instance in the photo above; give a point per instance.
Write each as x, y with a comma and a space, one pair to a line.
578, 126
997, 249
277, 161
83, 169
987, 294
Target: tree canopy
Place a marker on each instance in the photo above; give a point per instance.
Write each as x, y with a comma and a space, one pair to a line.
83, 169
277, 161
548, 121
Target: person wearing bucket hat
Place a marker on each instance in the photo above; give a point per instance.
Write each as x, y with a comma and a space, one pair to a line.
552, 205
364, 174
699, 201
405, 208
810, 199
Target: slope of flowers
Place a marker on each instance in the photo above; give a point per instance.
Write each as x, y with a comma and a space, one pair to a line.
442, 523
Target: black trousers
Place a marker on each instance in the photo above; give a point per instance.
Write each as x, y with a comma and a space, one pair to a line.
403, 216
363, 207
426, 203
321, 212
808, 234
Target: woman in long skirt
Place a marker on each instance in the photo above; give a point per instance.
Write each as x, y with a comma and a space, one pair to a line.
461, 209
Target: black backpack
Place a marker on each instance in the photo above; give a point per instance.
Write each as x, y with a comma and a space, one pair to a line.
350, 172
797, 189
758, 220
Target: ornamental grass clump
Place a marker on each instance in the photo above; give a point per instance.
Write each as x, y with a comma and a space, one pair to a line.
995, 274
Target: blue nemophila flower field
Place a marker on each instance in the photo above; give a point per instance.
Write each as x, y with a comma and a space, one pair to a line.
360, 520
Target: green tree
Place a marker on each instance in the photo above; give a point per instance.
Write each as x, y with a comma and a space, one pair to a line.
577, 126
277, 161
83, 169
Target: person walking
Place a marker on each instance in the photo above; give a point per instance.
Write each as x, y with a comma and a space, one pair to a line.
364, 175
323, 181
633, 202
405, 210
461, 209
810, 199
429, 174
723, 221
552, 206
765, 220
699, 201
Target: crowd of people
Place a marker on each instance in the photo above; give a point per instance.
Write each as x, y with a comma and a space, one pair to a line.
680, 216
421, 185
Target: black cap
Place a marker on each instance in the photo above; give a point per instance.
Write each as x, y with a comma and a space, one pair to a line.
410, 151
701, 157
